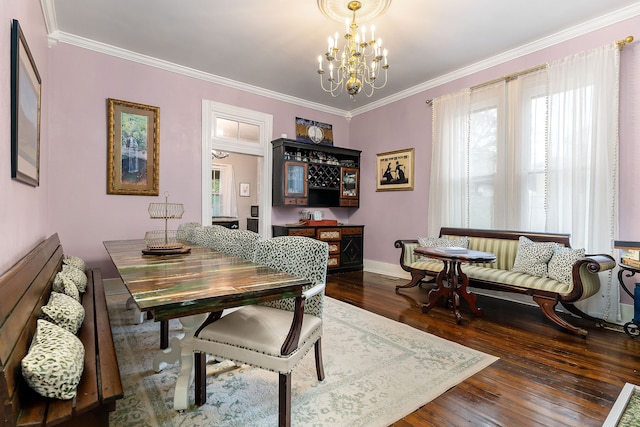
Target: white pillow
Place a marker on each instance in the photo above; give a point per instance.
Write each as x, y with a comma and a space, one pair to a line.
55, 361
64, 311
561, 263
532, 257
434, 242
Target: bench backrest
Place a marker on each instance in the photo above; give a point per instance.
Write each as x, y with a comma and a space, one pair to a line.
503, 243
24, 288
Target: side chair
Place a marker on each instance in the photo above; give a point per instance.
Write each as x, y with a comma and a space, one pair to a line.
276, 335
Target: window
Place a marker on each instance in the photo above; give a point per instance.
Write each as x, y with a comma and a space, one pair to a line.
534, 153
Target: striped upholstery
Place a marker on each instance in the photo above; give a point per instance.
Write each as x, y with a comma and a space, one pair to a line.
500, 271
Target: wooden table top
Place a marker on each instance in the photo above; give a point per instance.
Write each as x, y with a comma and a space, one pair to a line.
200, 281
466, 256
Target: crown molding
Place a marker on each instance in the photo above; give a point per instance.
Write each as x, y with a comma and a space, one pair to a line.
62, 37
554, 39
56, 36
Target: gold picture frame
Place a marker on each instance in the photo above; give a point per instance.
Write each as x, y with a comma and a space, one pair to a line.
133, 158
26, 87
394, 170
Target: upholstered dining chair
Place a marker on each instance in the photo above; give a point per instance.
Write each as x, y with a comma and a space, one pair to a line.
186, 230
239, 243
260, 335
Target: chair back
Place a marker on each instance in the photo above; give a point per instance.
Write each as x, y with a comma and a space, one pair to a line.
210, 236
186, 230
300, 256
239, 243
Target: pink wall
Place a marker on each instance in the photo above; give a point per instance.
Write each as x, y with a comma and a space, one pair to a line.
24, 210
81, 81
72, 199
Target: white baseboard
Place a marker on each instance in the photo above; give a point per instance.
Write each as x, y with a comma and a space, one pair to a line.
394, 270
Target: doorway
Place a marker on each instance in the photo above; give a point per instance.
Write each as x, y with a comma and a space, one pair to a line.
240, 138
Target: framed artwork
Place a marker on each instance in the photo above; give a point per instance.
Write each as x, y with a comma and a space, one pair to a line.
245, 189
394, 170
25, 111
313, 132
133, 157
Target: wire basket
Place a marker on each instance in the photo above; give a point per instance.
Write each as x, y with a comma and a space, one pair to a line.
162, 240
166, 210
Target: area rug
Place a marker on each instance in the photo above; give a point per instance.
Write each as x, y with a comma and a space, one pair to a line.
377, 371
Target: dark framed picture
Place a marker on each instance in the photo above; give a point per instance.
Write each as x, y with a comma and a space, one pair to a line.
133, 163
313, 132
394, 170
25, 110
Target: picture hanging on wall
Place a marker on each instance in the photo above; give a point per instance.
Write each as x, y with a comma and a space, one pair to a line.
313, 132
133, 158
394, 170
25, 111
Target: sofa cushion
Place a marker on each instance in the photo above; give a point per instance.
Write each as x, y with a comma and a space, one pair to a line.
54, 363
532, 257
561, 263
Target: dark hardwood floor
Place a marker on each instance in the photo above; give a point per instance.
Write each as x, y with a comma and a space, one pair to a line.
545, 376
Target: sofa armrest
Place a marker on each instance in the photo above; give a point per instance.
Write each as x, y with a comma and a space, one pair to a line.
407, 257
585, 276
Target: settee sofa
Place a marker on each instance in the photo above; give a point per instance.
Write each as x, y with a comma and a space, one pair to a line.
567, 276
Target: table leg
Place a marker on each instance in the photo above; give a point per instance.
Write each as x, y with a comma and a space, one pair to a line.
181, 349
138, 316
467, 295
440, 291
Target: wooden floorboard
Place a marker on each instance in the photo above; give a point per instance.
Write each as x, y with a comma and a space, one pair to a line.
545, 376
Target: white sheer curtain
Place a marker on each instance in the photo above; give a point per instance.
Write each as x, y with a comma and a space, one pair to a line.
228, 200
535, 153
448, 194
583, 157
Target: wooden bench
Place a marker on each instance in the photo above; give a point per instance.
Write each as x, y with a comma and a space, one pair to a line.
546, 292
24, 289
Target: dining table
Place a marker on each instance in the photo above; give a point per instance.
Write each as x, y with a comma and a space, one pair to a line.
189, 286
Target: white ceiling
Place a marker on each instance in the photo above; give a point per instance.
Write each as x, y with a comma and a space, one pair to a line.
273, 45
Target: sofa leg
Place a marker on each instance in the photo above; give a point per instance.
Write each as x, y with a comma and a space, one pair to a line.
417, 277
547, 305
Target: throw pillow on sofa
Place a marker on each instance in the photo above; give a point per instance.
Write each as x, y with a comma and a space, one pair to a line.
64, 311
76, 275
74, 261
561, 263
532, 257
54, 363
440, 242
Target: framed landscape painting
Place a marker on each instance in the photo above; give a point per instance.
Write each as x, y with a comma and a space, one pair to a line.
25, 111
394, 170
133, 161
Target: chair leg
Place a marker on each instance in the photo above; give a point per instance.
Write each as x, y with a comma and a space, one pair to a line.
164, 334
319, 364
200, 380
284, 400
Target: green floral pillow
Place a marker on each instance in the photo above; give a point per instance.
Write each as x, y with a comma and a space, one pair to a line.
561, 263
64, 311
77, 276
532, 257
55, 361
74, 261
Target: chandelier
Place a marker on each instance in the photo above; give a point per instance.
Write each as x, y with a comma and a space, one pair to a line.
359, 64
